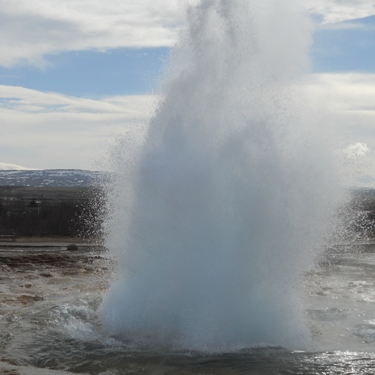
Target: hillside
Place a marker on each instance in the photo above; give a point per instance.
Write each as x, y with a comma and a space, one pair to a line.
52, 202
52, 178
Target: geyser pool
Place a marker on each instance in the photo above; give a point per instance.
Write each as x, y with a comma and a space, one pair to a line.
219, 210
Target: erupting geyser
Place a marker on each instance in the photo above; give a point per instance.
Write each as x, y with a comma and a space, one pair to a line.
217, 214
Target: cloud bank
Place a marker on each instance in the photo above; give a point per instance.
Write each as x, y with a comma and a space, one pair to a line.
31, 30
12, 167
333, 11
48, 130
347, 102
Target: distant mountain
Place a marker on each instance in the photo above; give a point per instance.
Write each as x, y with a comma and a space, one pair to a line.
51, 177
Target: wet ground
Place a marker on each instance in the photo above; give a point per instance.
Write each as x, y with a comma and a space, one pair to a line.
44, 271
50, 319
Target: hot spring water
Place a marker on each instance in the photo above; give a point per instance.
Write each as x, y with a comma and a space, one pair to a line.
219, 207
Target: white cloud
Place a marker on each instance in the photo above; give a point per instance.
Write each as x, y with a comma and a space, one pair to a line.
356, 149
333, 11
49, 130
32, 29
346, 102
348, 92
13, 167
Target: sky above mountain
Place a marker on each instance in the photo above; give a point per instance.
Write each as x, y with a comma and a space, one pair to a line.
75, 74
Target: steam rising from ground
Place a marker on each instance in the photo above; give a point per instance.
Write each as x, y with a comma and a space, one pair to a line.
219, 210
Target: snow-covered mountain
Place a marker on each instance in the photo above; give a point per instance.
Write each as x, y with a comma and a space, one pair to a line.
51, 177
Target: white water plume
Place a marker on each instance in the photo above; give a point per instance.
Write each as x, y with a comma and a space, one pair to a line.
217, 214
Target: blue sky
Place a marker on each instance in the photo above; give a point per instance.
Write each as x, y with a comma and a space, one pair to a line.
120, 71
74, 74
346, 46
341, 47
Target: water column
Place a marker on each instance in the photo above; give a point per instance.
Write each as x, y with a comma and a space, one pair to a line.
217, 213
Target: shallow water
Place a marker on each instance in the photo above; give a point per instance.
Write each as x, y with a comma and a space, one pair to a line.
49, 319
